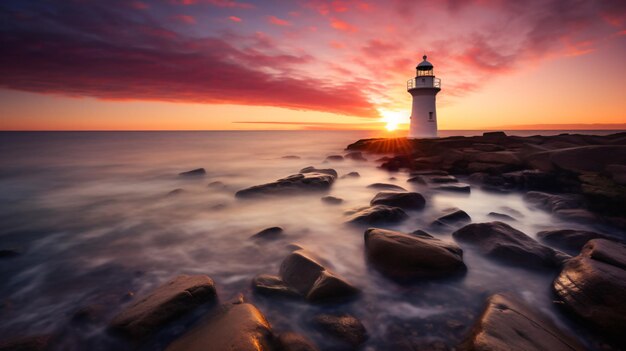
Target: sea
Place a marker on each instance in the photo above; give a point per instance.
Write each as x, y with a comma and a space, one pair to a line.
91, 221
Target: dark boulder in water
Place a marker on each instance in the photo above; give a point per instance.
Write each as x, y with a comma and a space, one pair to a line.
268, 234
351, 175
570, 239
346, 328
454, 216
240, 327
376, 214
406, 200
592, 285
165, 303
198, 172
403, 256
499, 134
454, 187
509, 324
309, 179
501, 216
304, 273
266, 284
334, 158
385, 186
332, 200
356, 156
291, 157
294, 342
501, 241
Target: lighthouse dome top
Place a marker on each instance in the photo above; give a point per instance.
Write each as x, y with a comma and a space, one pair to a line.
424, 65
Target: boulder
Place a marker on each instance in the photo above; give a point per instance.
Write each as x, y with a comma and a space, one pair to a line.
509, 324
501, 241
216, 185
345, 328
198, 172
307, 180
443, 179
404, 200
312, 169
592, 285
294, 342
334, 158
332, 200
452, 217
500, 157
165, 303
385, 186
593, 158
423, 180
404, 256
351, 175
429, 172
569, 239
291, 157
266, 284
305, 274
240, 327
531, 179
454, 187
356, 156
501, 216
269, 234
377, 214
553, 202
498, 134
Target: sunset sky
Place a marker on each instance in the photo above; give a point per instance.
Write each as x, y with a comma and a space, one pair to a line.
307, 64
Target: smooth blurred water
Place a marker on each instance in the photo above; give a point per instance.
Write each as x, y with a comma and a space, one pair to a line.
92, 216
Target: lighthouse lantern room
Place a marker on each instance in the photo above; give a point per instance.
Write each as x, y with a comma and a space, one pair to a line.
423, 88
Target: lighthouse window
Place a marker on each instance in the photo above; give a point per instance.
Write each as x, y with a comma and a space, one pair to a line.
430, 116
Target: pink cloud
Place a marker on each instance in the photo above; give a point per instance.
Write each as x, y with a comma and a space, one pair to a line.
277, 21
342, 26
138, 5
185, 19
234, 18
217, 3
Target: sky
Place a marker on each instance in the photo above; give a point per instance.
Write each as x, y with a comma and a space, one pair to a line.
309, 64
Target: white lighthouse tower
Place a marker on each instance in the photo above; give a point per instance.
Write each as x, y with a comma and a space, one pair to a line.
424, 88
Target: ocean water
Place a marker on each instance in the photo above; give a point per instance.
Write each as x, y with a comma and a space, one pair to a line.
94, 221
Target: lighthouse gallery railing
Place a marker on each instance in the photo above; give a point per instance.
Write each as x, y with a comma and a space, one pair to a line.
415, 83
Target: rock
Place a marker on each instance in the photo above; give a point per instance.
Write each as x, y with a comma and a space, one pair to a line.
304, 273
453, 217
403, 256
377, 214
385, 186
501, 157
507, 244
531, 179
334, 158
509, 324
403, 200
577, 215
240, 327
592, 285
418, 179
422, 234
307, 180
494, 134
332, 200
454, 187
198, 172
27, 343
487, 147
216, 185
429, 172
272, 285
311, 169
346, 328
501, 216
351, 175
443, 179
271, 233
552, 202
512, 211
291, 157
165, 303
175, 192
356, 156
617, 173
569, 239
294, 342
581, 159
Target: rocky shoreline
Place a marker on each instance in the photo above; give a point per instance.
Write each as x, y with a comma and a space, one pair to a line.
579, 178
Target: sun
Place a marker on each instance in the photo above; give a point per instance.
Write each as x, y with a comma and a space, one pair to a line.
392, 119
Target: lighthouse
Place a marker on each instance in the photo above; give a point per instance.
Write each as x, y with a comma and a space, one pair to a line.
423, 88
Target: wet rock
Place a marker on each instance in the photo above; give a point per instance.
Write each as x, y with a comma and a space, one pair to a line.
418, 179
443, 179
332, 200
422, 234
294, 342
271, 233
577, 215
512, 211
592, 285
553, 202
356, 156
198, 172
501, 216
581, 159
304, 273
346, 328
266, 284
503, 157
28, 343
403, 200
454, 216
334, 158
240, 327
291, 157
377, 214
429, 172
404, 256
165, 303
531, 179
509, 324
216, 185
498, 134
501, 241
351, 175
385, 186
309, 179
454, 187
569, 239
